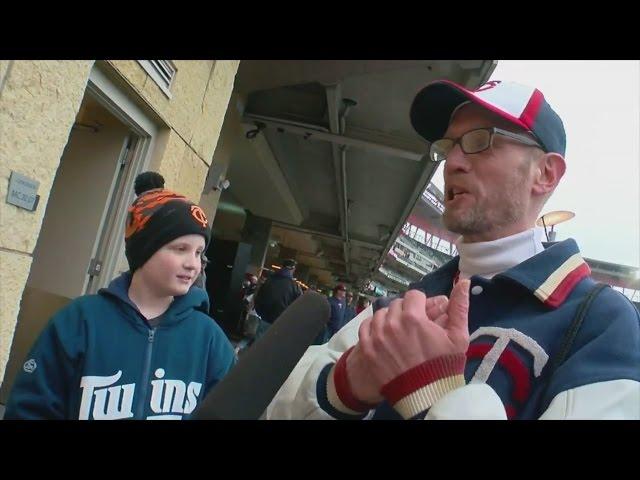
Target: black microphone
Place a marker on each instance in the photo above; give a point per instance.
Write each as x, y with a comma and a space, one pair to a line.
246, 391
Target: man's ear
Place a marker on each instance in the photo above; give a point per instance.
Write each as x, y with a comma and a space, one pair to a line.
549, 169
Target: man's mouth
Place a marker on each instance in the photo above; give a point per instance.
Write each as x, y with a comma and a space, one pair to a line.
454, 192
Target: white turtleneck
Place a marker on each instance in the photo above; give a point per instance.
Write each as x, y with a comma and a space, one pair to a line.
487, 259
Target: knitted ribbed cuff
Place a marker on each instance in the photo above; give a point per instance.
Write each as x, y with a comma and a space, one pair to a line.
417, 389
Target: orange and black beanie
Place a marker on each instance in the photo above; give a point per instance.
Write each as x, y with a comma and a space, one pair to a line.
157, 217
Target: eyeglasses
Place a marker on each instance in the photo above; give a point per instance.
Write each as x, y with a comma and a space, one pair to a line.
474, 141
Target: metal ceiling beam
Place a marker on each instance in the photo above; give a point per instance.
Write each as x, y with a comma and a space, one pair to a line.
316, 132
327, 234
365, 243
334, 101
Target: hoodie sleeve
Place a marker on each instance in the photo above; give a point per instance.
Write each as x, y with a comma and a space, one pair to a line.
221, 359
41, 388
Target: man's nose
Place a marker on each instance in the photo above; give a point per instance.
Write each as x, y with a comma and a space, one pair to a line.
456, 161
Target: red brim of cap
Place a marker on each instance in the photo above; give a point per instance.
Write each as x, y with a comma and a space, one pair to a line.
433, 106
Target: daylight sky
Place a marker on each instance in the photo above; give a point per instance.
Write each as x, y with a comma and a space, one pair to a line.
599, 103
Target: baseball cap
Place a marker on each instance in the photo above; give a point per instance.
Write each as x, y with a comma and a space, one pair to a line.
289, 263
521, 105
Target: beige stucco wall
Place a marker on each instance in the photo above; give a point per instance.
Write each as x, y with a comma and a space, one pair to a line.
38, 104
195, 113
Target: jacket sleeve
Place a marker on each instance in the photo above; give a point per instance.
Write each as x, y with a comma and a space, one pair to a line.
308, 392
601, 378
41, 389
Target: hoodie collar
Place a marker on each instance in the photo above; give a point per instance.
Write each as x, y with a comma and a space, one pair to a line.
195, 299
119, 288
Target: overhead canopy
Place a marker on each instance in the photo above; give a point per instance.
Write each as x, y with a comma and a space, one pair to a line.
328, 153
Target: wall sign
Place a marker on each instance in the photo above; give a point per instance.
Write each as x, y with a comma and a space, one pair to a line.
23, 192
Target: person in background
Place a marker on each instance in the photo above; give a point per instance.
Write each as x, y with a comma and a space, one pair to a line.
337, 301
363, 303
278, 292
349, 309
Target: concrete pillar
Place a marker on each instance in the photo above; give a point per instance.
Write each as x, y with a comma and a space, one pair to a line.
256, 232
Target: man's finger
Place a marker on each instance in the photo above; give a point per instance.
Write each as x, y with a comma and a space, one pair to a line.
436, 306
414, 304
442, 320
458, 310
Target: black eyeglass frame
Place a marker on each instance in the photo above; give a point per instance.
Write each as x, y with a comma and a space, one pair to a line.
459, 141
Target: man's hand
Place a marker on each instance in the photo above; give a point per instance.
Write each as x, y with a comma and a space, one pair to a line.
411, 331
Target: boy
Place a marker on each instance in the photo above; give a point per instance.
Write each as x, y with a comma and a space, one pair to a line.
143, 348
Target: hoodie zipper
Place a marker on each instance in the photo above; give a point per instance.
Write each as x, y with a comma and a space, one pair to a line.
145, 375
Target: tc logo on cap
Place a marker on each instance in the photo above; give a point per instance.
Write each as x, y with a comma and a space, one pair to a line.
199, 215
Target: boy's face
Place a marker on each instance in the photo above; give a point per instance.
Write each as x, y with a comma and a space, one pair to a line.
173, 268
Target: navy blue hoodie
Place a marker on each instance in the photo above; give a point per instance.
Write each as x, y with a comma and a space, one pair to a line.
98, 358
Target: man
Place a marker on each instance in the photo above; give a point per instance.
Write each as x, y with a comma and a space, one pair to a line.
503, 148
363, 304
275, 295
337, 304
349, 309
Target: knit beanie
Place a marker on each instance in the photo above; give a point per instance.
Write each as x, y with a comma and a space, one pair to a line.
158, 216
